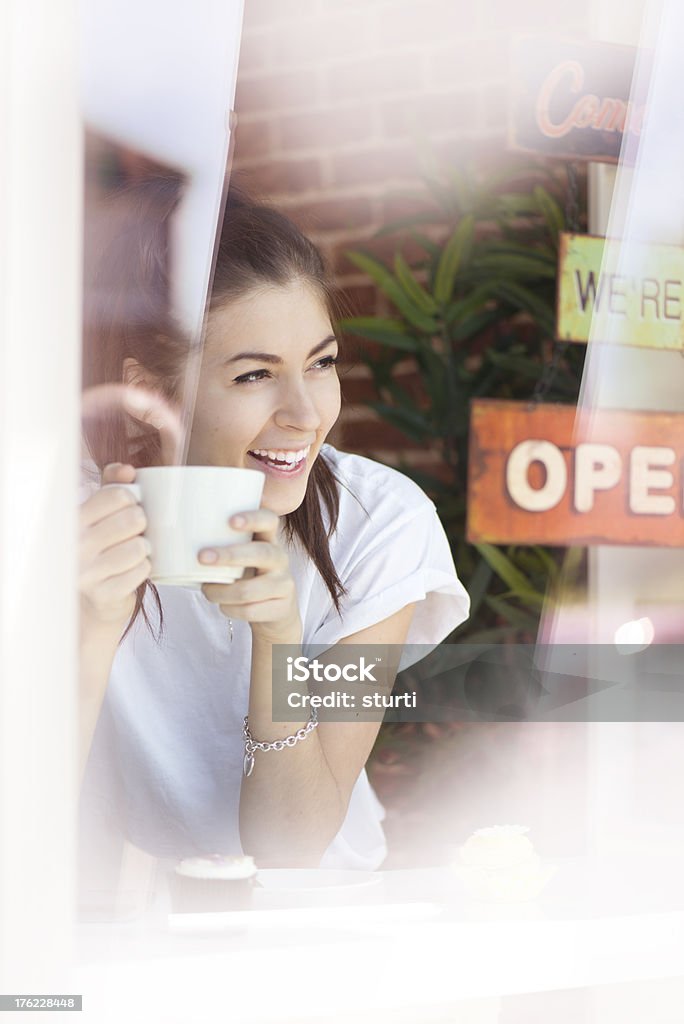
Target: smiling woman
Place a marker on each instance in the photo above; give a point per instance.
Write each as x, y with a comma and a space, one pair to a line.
268, 391
344, 550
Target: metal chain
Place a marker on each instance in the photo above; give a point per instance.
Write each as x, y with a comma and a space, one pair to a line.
251, 745
572, 223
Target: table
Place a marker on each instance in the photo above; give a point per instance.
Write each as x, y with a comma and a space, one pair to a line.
412, 944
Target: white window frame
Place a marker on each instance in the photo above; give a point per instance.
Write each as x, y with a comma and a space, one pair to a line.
41, 197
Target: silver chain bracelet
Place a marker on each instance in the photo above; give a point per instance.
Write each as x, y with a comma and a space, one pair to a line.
251, 744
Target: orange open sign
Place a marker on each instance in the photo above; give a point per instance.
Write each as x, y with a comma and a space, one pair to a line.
550, 474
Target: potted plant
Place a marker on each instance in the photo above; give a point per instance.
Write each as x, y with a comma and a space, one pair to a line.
476, 316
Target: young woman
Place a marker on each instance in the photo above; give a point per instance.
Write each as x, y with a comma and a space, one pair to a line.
344, 551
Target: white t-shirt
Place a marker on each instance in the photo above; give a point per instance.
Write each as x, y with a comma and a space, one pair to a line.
166, 759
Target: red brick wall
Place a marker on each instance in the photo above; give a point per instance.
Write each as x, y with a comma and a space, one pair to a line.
330, 96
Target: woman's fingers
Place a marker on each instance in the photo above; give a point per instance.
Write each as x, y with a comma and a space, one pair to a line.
113, 552
269, 597
118, 473
261, 522
114, 556
118, 589
117, 521
261, 611
104, 503
116, 560
261, 555
270, 586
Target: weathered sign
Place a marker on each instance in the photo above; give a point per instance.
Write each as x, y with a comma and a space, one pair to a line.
550, 474
629, 295
573, 99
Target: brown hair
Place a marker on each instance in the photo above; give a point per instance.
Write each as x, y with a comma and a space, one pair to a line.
257, 246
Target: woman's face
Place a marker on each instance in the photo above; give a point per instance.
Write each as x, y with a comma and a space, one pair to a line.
268, 389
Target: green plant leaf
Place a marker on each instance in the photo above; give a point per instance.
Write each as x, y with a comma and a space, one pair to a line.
431, 247
478, 585
514, 204
383, 330
514, 616
522, 175
533, 248
401, 399
516, 580
524, 299
443, 196
391, 288
572, 564
411, 221
461, 185
528, 561
414, 290
494, 635
550, 211
548, 562
533, 598
455, 252
514, 265
515, 364
462, 308
474, 325
435, 379
409, 421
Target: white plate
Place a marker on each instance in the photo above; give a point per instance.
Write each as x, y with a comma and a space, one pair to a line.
312, 880
374, 916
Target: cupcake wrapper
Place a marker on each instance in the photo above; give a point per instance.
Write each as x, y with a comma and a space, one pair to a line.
209, 895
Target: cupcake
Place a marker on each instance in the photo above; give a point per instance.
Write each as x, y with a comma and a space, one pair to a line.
212, 883
500, 864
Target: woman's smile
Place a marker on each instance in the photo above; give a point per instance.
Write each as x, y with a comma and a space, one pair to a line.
281, 462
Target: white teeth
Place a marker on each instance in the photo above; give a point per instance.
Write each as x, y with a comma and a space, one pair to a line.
289, 458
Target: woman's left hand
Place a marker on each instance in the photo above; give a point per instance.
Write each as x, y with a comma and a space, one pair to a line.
268, 598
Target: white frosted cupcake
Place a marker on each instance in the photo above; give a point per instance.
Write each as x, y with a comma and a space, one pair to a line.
500, 864
212, 883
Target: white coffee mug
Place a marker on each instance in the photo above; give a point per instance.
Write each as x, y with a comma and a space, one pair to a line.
188, 508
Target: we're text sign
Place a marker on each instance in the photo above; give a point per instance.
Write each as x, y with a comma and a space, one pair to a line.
625, 295
552, 474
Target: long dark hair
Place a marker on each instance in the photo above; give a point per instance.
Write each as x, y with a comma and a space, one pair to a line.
257, 246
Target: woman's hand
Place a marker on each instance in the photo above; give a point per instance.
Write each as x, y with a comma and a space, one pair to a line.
114, 556
268, 598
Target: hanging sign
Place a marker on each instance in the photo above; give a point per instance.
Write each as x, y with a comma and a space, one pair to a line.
572, 99
629, 295
550, 474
